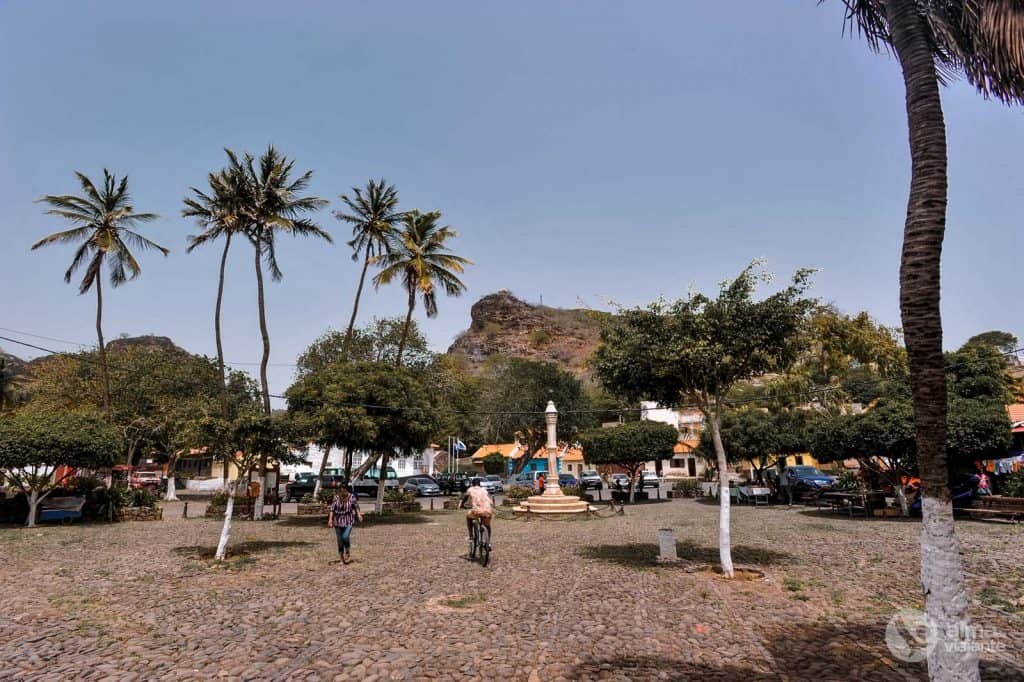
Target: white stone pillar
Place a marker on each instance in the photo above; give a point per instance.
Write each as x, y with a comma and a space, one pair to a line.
551, 487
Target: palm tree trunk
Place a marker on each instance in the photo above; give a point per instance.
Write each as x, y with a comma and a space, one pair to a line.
951, 655
216, 329
264, 384
405, 329
261, 304
355, 306
103, 347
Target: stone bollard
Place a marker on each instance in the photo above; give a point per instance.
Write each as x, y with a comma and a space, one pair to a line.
667, 546
184, 510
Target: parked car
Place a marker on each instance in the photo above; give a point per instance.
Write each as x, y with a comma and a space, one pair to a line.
453, 484
305, 483
368, 484
492, 484
807, 480
528, 479
151, 480
648, 479
618, 482
566, 480
421, 486
591, 480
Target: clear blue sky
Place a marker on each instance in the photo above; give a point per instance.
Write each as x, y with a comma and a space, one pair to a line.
585, 152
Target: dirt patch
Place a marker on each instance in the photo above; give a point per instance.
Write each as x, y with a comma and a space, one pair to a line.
456, 603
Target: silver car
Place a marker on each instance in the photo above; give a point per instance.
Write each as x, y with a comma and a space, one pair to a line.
421, 486
492, 483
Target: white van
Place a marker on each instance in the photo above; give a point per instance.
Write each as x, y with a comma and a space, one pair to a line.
528, 479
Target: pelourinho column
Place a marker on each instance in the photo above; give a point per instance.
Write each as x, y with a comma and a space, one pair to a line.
551, 487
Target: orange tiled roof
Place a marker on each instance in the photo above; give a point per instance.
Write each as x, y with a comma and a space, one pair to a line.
1016, 412
573, 455
504, 448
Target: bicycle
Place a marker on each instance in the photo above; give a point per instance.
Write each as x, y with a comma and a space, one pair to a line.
480, 547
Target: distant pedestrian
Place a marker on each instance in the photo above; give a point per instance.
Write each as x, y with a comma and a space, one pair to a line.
344, 513
787, 486
540, 483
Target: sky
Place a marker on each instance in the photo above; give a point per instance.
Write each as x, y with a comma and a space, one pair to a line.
587, 153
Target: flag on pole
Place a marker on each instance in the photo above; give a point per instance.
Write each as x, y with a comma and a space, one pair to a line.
459, 446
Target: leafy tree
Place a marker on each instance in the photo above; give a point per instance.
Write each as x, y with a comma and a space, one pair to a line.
512, 395
1004, 342
219, 213
154, 392
629, 446
984, 41
758, 437
494, 463
372, 407
105, 223
10, 385
374, 214
33, 445
697, 349
378, 341
416, 255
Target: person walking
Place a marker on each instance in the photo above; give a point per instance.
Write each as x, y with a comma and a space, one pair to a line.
540, 483
343, 514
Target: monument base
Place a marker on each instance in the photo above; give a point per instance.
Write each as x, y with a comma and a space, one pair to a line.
553, 504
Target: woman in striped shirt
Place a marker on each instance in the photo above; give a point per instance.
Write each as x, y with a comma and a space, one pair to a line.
343, 515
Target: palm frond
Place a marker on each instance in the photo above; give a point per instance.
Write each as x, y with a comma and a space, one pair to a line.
71, 235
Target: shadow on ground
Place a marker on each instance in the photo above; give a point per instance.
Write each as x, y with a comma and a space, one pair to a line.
645, 555
368, 520
239, 549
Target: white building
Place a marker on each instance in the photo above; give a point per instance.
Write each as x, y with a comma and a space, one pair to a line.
422, 463
689, 422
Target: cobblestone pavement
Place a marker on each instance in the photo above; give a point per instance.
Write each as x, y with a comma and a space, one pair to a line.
562, 600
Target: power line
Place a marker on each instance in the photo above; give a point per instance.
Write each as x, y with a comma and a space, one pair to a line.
805, 393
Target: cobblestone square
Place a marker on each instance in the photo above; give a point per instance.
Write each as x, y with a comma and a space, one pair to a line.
580, 599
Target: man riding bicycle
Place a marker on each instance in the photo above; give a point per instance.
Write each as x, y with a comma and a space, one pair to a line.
481, 507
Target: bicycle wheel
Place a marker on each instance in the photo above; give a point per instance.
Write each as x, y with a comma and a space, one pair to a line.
485, 545
475, 544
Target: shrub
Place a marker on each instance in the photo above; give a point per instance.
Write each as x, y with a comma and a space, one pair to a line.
1013, 485
491, 329
848, 480
494, 463
689, 487
540, 337
86, 485
308, 499
518, 492
573, 490
141, 497
326, 495
108, 502
219, 498
398, 495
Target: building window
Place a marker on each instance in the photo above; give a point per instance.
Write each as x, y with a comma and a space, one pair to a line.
799, 460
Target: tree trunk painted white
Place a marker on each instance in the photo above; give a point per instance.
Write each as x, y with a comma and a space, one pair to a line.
225, 531
381, 480
171, 495
952, 654
901, 497
724, 540
33, 505
316, 487
257, 505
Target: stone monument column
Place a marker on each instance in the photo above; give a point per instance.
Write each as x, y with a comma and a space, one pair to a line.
551, 487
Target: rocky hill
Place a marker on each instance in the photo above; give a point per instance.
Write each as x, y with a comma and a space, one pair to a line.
502, 324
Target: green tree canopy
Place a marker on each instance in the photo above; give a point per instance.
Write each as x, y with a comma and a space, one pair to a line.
629, 445
377, 341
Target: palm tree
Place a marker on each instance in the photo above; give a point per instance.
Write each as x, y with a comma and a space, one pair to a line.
373, 220
273, 204
104, 219
416, 254
984, 41
220, 214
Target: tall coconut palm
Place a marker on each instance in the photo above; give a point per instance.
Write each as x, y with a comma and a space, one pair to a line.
416, 254
219, 213
373, 218
273, 204
105, 221
984, 41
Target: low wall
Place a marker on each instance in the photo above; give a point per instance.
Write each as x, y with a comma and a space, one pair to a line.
142, 513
